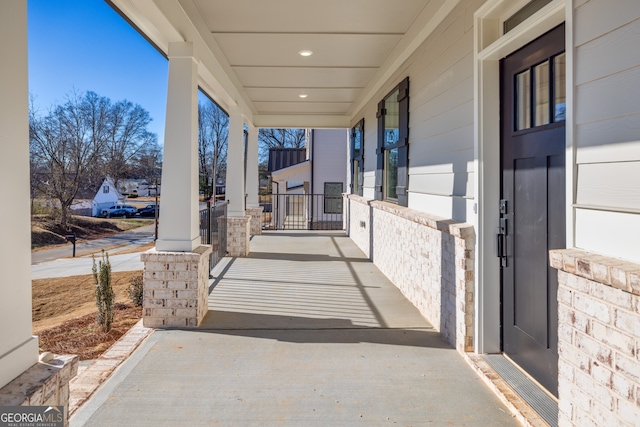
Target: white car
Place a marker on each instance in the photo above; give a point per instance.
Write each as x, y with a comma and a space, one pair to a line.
118, 209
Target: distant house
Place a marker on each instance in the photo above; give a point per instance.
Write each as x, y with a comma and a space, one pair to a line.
106, 196
307, 184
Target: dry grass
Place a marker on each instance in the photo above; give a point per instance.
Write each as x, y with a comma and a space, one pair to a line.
61, 299
46, 232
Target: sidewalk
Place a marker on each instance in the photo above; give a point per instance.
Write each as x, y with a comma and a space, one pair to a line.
303, 332
79, 266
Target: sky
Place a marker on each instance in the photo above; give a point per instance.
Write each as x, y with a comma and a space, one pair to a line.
84, 45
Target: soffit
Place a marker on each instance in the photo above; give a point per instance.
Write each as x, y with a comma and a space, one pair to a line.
356, 44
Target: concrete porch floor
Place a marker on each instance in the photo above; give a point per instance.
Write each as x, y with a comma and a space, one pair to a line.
303, 332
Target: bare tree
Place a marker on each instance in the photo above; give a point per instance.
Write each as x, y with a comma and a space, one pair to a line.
75, 143
213, 135
65, 144
127, 136
147, 163
281, 138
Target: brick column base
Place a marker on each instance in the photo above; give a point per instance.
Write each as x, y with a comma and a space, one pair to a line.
256, 220
44, 384
598, 336
176, 287
238, 234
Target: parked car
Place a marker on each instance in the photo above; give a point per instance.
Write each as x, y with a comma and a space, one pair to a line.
149, 210
114, 211
118, 213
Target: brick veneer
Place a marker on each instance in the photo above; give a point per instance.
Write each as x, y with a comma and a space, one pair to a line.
430, 259
238, 235
359, 222
256, 220
44, 384
598, 339
176, 287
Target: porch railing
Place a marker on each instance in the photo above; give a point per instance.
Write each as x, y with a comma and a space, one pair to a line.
213, 230
301, 212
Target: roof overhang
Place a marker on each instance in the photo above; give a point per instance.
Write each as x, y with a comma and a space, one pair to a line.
248, 51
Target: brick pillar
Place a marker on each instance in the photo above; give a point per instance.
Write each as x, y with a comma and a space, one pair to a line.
44, 384
238, 234
176, 287
256, 220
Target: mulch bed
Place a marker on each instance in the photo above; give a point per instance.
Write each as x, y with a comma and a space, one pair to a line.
82, 336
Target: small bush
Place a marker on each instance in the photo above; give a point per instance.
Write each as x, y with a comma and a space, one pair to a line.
135, 290
104, 292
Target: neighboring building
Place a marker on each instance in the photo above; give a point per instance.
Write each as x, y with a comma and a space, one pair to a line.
107, 195
307, 184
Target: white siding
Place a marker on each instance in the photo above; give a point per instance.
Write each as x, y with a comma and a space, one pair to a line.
329, 158
607, 117
441, 175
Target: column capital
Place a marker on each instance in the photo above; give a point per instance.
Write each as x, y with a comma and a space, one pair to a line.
181, 49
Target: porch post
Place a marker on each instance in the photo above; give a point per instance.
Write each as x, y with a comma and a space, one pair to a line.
238, 223
176, 271
252, 185
23, 379
179, 200
18, 348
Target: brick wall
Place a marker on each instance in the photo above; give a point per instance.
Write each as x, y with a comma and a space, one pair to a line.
238, 235
598, 339
44, 384
176, 287
256, 220
429, 259
359, 222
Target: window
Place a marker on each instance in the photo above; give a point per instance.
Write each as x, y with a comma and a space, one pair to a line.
332, 197
357, 157
393, 149
105, 189
540, 94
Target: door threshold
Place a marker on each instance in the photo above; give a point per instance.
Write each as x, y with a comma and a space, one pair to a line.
534, 395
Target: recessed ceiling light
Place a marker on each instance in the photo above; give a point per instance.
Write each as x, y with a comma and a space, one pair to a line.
305, 53
303, 95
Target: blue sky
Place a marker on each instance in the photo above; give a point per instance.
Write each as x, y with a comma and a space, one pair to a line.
84, 45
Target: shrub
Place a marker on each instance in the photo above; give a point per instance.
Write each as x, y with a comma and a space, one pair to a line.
104, 292
135, 290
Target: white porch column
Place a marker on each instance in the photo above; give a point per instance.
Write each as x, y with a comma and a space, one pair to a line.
252, 185
18, 348
235, 194
252, 168
238, 222
179, 228
173, 295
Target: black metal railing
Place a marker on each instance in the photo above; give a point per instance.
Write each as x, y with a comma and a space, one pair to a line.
301, 212
213, 230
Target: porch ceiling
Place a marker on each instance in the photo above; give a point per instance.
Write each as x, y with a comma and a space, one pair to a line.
249, 50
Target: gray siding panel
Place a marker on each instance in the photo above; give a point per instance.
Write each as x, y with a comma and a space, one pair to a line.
596, 18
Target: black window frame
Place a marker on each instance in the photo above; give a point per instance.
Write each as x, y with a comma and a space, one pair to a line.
357, 157
402, 144
332, 204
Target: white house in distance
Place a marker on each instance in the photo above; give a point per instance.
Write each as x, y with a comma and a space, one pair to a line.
495, 165
106, 196
308, 194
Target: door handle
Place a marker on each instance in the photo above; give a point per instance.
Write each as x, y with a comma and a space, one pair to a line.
501, 244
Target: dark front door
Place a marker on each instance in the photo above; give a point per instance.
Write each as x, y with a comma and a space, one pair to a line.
533, 202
